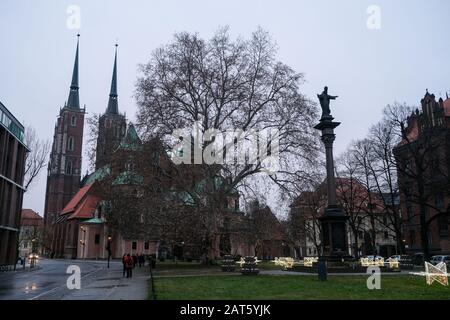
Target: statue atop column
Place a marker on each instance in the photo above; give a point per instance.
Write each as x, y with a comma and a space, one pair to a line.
334, 220
324, 99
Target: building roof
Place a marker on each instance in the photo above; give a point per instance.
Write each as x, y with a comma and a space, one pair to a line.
75, 201
31, 218
93, 221
86, 208
128, 178
98, 174
30, 214
82, 205
131, 140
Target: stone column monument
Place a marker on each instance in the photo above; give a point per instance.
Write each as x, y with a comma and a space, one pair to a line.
334, 221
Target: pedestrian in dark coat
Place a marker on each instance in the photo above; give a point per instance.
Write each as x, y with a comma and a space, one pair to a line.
129, 263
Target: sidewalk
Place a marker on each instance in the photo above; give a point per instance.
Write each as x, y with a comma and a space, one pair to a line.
109, 284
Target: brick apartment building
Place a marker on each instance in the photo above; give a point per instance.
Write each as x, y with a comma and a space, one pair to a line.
423, 161
31, 228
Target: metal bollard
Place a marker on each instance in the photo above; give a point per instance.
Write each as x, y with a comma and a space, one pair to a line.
322, 270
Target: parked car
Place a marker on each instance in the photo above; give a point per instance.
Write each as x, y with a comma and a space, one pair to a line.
441, 258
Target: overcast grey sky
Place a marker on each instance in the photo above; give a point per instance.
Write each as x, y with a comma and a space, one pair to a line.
328, 41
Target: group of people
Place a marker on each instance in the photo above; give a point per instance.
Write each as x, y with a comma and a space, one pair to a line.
130, 261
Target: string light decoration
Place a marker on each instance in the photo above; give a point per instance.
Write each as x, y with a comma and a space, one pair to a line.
284, 262
249, 266
393, 263
437, 273
308, 261
241, 262
377, 262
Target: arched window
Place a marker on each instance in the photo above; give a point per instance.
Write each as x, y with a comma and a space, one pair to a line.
70, 144
69, 167
73, 121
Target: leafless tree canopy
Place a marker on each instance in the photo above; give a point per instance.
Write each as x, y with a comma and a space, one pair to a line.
36, 159
225, 84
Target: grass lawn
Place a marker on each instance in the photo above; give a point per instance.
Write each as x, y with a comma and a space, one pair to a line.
264, 287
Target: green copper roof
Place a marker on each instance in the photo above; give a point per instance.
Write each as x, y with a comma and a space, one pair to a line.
182, 196
93, 221
128, 178
131, 140
113, 105
74, 100
219, 183
98, 174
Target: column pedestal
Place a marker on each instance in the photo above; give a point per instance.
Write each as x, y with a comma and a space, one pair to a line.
334, 220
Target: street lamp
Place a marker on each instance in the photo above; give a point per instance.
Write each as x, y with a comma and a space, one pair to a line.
108, 248
83, 242
33, 243
182, 250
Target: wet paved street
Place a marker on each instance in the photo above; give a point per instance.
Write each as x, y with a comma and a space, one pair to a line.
49, 281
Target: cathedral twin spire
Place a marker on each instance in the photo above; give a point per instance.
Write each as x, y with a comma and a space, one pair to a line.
113, 106
74, 100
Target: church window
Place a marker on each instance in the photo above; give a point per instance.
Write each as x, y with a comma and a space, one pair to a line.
73, 121
70, 144
97, 238
69, 167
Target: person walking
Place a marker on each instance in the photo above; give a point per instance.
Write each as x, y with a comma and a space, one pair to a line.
141, 260
129, 263
124, 264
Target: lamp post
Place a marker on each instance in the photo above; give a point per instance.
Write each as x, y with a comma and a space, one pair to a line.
108, 248
83, 242
182, 250
33, 245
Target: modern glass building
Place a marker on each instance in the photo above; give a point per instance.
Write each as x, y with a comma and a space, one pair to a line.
12, 170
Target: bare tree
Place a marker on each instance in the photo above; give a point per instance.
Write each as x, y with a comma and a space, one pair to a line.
351, 194
384, 171
91, 145
36, 159
226, 85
